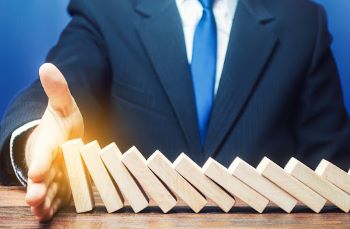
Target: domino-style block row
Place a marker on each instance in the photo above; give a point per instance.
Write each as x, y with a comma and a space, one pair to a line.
112, 158
291, 185
130, 176
136, 164
192, 172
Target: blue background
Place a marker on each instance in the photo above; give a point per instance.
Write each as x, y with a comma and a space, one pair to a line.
29, 28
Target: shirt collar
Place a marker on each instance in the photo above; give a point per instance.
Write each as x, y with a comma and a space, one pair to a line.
230, 5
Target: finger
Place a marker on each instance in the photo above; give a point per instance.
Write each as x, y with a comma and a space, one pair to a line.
44, 208
57, 203
46, 217
56, 88
36, 192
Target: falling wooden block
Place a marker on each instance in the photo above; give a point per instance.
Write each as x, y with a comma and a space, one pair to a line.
251, 177
335, 175
163, 168
108, 192
318, 184
79, 180
136, 164
111, 156
219, 174
193, 174
281, 178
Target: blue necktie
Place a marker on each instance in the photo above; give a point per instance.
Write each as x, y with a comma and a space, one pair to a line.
203, 65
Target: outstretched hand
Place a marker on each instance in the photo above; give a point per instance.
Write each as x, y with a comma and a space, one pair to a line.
48, 187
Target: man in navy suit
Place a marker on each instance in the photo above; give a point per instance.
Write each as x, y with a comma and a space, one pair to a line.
219, 79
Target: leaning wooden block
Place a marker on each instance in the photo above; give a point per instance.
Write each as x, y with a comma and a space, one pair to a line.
281, 178
111, 156
108, 192
79, 180
136, 164
162, 167
251, 177
193, 174
318, 184
219, 174
333, 174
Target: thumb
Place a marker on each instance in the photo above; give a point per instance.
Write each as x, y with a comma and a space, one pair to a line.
56, 88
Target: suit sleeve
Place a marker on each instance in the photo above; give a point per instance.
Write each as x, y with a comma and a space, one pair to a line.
323, 129
82, 57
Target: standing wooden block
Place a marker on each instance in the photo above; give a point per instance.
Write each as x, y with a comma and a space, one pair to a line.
251, 177
318, 184
193, 174
136, 164
281, 178
79, 180
162, 167
219, 174
111, 156
333, 174
108, 192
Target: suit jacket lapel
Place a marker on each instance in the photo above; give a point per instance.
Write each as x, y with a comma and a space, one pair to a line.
162, 35
250, 47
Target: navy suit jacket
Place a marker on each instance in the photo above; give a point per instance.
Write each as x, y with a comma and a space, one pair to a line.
125, 62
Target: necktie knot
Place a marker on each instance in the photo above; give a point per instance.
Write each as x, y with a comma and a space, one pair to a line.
207, 4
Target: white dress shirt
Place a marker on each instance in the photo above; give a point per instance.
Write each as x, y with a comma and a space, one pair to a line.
224, 11
191, 13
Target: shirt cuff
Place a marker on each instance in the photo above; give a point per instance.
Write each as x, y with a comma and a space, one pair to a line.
17, 163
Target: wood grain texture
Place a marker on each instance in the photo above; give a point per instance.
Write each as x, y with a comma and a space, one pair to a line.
219, 174
334, 174
329, 191
164, 170
288, 183
111, 157
108, 191
14, 213
79, 179
136, 164
194, 174
246, 173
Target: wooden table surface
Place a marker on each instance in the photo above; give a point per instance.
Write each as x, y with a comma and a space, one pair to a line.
16, 214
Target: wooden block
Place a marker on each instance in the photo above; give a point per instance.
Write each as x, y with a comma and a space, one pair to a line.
318, 184
136, 164
294, 187
108, 192
163, 168
79, 180
335, 175
246, 173
219, 174
194, 174
111, 156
